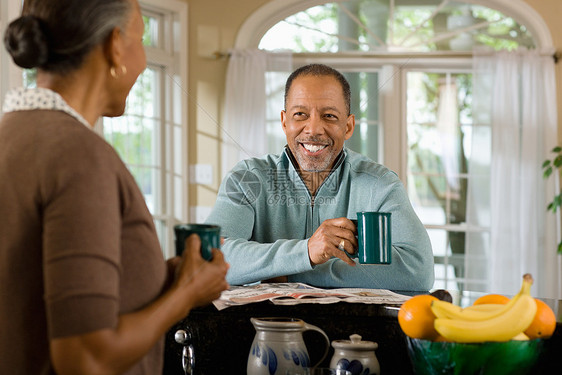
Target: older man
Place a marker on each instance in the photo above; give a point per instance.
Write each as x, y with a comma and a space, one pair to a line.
286, 216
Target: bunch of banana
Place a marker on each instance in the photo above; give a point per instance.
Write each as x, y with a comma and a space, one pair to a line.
492, 323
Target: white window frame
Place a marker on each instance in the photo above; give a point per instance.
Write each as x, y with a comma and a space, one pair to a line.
260, 21
464, 66
171, 53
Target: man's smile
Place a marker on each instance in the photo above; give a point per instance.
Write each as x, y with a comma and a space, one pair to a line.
313, 148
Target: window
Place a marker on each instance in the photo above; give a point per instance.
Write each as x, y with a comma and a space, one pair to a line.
439, 130
409, 65
396, 26
151, 137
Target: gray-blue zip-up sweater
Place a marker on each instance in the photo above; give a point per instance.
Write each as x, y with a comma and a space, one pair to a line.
267, 215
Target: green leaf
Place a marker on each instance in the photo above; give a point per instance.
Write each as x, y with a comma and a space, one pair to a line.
560, 248
556, 202
557, 149
547, 172
558, 161
545, 164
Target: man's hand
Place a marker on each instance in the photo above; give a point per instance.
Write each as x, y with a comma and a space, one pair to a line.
330, 235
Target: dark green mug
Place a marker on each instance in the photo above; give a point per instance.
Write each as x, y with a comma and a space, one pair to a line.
374, 237
209, 235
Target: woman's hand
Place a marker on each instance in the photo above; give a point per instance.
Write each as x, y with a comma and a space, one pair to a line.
113, 350
202, 280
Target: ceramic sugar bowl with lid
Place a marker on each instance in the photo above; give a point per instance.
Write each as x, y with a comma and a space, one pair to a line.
355, 356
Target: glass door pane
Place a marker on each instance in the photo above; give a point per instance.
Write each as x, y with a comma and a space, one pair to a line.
136, 137
439, 133
367, 135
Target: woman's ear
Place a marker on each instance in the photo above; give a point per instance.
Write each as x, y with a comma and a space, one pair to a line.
113, 48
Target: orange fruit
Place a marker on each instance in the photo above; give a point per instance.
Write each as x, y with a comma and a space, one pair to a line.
416, 318
492, 298
544, 323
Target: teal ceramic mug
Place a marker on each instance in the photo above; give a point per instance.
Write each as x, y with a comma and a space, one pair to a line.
374, 237
209, 235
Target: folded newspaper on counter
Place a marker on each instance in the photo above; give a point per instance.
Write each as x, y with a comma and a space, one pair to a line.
297, 293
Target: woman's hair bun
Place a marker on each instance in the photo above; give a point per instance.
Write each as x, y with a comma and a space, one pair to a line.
26, 42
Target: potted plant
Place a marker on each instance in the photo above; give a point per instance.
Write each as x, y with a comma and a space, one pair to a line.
548, 167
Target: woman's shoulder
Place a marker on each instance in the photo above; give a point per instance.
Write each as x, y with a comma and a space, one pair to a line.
56, 137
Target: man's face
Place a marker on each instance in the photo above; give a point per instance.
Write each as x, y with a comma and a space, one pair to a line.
315, 121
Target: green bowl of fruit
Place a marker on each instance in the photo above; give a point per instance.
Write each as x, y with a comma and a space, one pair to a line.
494, 336
487, 358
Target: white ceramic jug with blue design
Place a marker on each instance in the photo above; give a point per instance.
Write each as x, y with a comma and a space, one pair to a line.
279, 348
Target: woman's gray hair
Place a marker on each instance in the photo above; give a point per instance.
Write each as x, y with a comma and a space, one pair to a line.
56, 35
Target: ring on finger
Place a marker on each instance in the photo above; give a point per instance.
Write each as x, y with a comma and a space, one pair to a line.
341, 245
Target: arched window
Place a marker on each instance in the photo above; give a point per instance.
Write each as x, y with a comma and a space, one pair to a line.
396, 26
409, 63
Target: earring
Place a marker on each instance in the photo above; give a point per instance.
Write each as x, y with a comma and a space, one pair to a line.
114, 74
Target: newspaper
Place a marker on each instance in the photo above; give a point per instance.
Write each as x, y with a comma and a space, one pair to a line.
297, 293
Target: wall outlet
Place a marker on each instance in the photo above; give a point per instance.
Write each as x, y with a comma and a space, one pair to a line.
201, 174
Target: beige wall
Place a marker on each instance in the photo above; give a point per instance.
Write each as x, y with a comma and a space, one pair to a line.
213, 25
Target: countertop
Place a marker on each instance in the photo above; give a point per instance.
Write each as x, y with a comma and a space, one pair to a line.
222, 339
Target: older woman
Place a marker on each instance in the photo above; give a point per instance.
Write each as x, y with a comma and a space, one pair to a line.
84, 287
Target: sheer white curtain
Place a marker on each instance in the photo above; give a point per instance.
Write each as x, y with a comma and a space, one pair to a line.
244, 126
514, 103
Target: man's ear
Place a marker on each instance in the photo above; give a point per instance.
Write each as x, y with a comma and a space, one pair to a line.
349, 126
283, 119
113, 48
